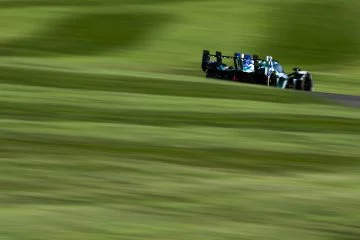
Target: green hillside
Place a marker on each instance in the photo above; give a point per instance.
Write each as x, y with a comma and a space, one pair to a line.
109, 130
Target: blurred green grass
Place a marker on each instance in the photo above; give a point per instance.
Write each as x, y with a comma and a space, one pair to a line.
108, 129
322, 33
86, 34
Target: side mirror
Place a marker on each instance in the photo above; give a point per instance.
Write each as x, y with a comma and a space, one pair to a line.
296, 69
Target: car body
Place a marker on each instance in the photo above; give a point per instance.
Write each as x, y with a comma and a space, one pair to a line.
252, 69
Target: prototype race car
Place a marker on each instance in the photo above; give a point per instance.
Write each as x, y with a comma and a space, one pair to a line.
252, 69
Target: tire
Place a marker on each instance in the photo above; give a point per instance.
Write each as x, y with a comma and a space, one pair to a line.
211, 73
248, 78
307, 83
298, 85
273, 79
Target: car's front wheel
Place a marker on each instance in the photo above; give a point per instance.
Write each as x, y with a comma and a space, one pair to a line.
307, 83
272, 80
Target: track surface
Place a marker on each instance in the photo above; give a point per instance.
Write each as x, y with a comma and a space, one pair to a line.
348, 100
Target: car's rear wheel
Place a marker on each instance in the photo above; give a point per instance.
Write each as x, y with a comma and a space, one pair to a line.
210, 73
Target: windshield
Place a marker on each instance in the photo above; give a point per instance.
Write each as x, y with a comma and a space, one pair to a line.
278, 67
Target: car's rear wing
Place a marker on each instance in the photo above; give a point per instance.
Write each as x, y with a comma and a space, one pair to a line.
206, 58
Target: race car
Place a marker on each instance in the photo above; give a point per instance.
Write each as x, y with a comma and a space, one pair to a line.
252, 69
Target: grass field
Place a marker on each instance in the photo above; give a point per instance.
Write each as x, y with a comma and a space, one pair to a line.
108, 129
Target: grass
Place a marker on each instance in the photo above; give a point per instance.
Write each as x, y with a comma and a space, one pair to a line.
122, 137
86, 34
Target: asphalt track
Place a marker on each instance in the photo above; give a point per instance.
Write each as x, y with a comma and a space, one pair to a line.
347, 100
